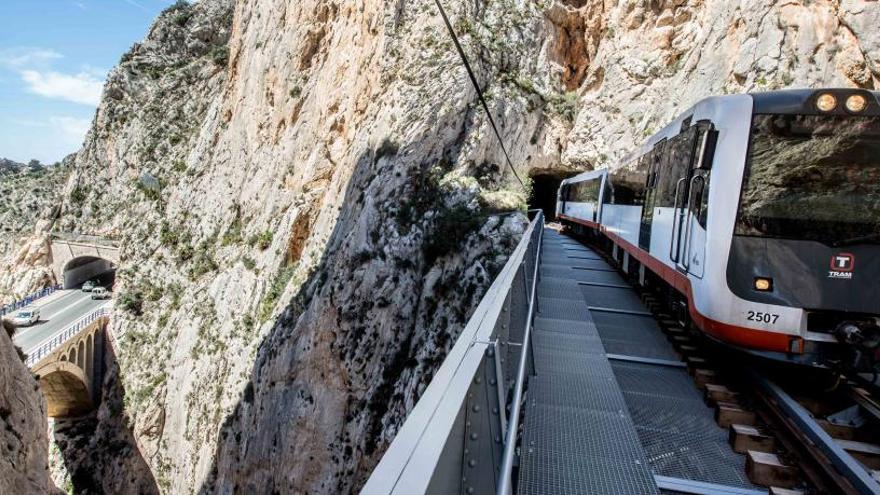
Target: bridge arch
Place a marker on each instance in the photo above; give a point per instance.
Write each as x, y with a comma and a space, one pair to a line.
80, 269
65, 386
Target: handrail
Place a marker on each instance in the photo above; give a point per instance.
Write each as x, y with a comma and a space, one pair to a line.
428, 448
676, 220
504, 483
48, 345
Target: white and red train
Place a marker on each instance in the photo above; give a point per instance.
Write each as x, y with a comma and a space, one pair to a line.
762, 213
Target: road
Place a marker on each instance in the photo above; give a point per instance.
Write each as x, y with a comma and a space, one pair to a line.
56, 313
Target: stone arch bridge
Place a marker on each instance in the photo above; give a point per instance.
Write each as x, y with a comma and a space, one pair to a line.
70, 366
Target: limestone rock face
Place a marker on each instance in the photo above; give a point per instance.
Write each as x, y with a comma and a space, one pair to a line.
656, 59
29, 200
311, 202
23, 440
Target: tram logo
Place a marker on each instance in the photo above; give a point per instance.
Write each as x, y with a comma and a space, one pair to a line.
842, 266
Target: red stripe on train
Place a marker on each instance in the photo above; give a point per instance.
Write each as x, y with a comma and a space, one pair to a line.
732, 334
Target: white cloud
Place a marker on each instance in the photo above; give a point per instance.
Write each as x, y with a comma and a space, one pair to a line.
16, 58
84, 87
48, 140
70, 129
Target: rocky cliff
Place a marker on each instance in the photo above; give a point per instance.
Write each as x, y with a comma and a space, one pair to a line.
23, 441
310, 201
29, 199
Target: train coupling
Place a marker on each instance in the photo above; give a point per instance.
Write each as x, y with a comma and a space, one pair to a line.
862, 340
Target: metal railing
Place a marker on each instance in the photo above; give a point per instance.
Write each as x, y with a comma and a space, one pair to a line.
9, 308
49, 345
457, 438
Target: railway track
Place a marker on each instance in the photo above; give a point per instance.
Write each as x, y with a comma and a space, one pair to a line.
801, 434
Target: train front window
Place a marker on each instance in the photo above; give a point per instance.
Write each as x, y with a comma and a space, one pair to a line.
813, 177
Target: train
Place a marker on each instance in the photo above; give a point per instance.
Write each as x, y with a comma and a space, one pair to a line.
759, 214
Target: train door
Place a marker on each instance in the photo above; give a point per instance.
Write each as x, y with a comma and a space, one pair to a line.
677, 189
694, 233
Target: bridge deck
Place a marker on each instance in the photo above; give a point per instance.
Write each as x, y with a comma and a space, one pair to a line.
610, 406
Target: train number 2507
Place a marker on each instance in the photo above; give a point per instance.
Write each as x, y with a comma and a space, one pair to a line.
762, 317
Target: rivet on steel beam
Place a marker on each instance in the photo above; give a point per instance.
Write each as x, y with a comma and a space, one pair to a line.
470, 489
472, 462
474, 436
492, 382
497, 439
491, 352
476, 408
478, 380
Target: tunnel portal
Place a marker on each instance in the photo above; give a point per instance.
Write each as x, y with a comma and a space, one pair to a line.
544, 193
84, 268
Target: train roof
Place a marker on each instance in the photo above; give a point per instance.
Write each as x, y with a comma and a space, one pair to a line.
779, 101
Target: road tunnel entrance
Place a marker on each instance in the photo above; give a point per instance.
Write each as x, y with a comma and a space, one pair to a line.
88, 268
544, 193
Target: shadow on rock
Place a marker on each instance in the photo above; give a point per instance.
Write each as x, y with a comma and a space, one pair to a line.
99, 451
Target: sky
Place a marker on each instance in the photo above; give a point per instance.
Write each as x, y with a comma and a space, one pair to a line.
54, 58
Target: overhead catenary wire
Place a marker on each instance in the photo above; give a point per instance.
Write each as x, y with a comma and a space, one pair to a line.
476, 85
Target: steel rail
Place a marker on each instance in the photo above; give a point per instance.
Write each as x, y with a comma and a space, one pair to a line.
842, 462
505, 482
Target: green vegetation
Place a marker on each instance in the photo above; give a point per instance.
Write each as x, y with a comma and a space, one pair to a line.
276, 289
78, 195
151, 193
262, 241
132, 302
451, 228
220, 55
202, 263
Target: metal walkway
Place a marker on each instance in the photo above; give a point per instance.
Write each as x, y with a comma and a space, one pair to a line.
611, 408
578, 437
607, 407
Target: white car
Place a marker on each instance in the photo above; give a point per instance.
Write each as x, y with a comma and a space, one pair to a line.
101, 293
26, 317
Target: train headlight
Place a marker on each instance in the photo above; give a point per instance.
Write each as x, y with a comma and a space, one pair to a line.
826, 102
856, 103
763, 284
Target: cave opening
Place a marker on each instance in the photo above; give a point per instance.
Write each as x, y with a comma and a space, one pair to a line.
544, 192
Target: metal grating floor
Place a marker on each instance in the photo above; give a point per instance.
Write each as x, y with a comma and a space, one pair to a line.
578, 435
676, 428
633, 335
597, 427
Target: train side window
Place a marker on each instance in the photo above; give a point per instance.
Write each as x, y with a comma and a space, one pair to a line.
678, 156
628, 183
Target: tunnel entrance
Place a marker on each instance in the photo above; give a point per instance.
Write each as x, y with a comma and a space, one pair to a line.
544, 192
85, 268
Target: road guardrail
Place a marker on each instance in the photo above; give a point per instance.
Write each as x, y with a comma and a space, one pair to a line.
9, 308
49, 345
